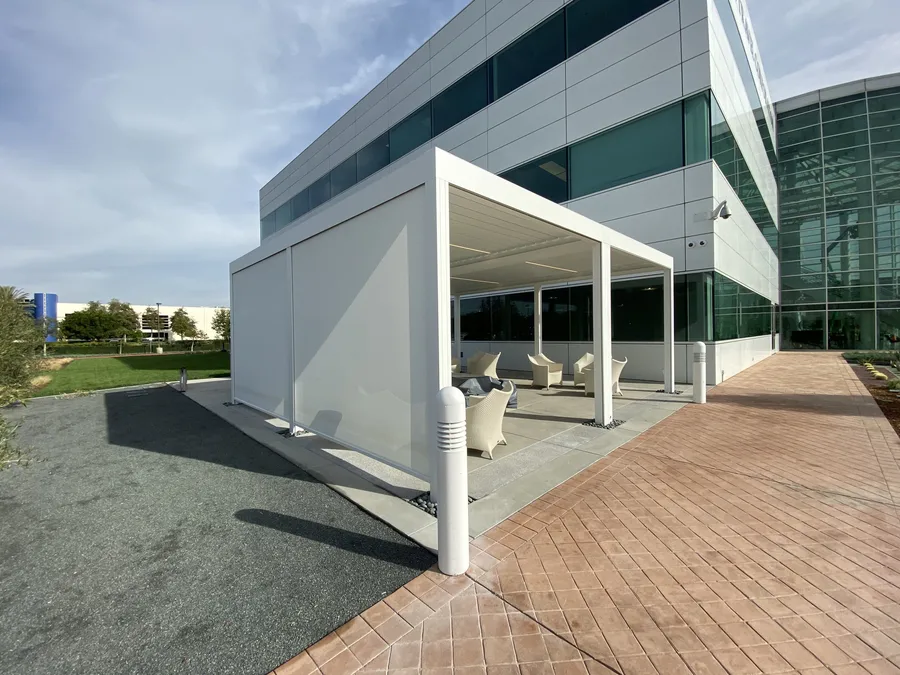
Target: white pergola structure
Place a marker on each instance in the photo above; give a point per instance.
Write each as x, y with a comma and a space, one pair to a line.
341, 323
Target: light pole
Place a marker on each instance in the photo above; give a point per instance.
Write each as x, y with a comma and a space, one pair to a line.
158, 347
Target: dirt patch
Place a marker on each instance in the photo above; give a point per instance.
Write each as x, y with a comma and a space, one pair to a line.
41, 381
888, 401
53, 364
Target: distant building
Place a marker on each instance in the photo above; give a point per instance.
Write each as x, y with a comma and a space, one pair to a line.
202, 316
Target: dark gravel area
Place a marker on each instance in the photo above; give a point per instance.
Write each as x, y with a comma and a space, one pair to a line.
149, 536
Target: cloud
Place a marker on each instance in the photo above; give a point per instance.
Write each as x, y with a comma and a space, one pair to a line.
134, 136
820, 43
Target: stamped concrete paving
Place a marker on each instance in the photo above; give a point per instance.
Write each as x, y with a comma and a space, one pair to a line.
150, 536
759, 533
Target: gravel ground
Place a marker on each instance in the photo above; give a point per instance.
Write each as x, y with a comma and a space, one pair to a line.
149, 536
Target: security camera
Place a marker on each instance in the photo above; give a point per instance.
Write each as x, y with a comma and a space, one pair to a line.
722, 211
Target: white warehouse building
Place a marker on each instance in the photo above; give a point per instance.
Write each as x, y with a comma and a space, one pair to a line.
651, 117
202, 316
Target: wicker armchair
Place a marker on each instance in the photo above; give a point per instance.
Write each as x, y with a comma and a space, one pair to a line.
483, 365
588, 371
544, 371
580, 365
484, 420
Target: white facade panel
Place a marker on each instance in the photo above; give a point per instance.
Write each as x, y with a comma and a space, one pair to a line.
733, 356
419, 77
644, 64
470, 14
693, 11
528, 95
650, 226
469, 38
509, 19
696, 75
649, 194
695, 40
260, 325
413, 62
636, 36
379, 293
634, 101
462, 65
542, 141
467, 130
527, 122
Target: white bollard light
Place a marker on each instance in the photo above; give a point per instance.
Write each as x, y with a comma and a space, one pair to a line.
699, 372
453, 483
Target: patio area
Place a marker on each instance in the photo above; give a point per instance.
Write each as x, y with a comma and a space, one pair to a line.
547, 443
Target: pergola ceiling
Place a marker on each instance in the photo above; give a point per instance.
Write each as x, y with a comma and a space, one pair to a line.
493, 247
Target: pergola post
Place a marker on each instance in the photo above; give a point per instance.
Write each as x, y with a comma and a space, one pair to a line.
457, 331
538, 321
602, 319
669, 331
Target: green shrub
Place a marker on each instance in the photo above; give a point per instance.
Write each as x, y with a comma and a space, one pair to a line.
894, 385
880, 376
883, 358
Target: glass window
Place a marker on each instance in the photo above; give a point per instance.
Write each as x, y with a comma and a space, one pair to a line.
300, 204
802, 330
283, 216
851, 201
886, 165
805, 267
460, 100
803, 282
884, 119
850, 293
845, 126
886, 149
376, 155
645, 147
637, 310
411, 133
886, 134
589, 21
887, 181
267, 226
512, 317
844, 155
802, 193
889, 329
696, 129
727, 314
320, 191
802, 253
806, 297
475, 319
847, 170
699, 306
797, 119
581, 326
812, 177
804, 135
796, 232
888, 285
802, 150
547, 176
851, 330
884, 102
555, 314
848, 186
531, 55
845, 141
849, 106
343, 176
797, 209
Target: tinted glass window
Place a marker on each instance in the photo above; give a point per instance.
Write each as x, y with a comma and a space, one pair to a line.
531, 55
343, 176
555, 314
267, 226
645, 147
320, 191
376, 155
282, 215
300, 204
589, 21
475, 319
547, 176
462, 99
512, 317
696, 129
637, 311
581, 325
412, 132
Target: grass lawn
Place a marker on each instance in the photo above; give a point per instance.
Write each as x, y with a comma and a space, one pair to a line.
105, 373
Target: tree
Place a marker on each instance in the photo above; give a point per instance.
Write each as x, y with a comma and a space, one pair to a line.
21, 339
221, 323
182, 324
126, 318
92, 323
151, 318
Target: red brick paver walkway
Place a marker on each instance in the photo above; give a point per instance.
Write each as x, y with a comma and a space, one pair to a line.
758, 533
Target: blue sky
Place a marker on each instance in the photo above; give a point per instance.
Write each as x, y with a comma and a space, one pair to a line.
134, 136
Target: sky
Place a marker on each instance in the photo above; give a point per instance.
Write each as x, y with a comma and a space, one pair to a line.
134, 136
